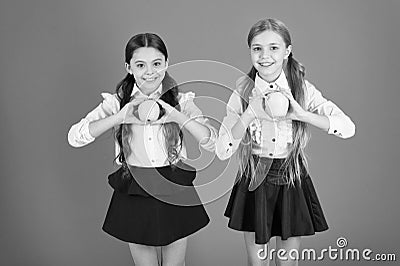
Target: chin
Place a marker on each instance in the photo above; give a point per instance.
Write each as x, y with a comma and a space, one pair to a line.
264, 73
267, 73
152, 85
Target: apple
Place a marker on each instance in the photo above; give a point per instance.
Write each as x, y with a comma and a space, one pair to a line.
148, 111
276, 104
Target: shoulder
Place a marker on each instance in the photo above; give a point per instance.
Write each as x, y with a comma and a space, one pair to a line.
242, 83
110, 102
313, 95
109, 96
310, 88
187, 104
308, 84
186, 96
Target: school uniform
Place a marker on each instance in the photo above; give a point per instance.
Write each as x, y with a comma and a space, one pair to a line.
272, 207
156, 203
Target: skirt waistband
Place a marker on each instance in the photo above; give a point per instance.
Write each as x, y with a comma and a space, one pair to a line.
273, 163
158, 181
267, 171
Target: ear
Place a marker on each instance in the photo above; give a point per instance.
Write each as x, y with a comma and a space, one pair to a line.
288, 51
128, 68
166, 64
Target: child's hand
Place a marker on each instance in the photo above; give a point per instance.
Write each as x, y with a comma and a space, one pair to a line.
256, 108
127, 113
296, 112
171, 114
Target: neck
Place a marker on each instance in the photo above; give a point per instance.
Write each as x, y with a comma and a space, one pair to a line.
270, 78
147, 91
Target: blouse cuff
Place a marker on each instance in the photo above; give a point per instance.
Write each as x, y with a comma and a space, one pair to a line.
210, 144
226, 145
340, 127
79, 134
85, 131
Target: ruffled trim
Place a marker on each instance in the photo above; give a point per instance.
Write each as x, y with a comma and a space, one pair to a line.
110, 102
188, 96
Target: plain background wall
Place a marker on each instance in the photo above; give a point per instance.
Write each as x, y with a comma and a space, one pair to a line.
57, 56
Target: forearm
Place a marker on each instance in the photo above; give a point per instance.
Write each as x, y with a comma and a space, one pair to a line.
98, 127
239, 129
317, 120
199, 131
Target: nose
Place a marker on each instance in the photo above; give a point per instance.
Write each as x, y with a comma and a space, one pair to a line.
149, 70
265, 53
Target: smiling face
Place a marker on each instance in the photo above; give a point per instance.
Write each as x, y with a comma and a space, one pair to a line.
148, 66
268, 52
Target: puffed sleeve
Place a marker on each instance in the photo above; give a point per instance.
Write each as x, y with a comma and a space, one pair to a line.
78, 134
226, 145
340, 124
189, 108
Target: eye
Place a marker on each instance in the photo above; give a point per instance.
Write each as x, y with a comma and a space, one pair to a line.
157, 64
256, 49
140, 65
274, 48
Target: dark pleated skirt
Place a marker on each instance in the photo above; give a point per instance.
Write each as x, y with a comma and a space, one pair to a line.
155, 212
274, 208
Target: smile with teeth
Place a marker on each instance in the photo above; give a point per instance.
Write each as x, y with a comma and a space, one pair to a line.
150, 79
266, 64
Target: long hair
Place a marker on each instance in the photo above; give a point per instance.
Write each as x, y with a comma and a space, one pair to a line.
172, 133
295, 72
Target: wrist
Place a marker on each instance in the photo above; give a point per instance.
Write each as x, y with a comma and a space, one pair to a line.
118, 119
181, 118
304, 117
247, 117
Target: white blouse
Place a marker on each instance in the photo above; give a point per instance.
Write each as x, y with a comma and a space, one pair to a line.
276, 137
148, 140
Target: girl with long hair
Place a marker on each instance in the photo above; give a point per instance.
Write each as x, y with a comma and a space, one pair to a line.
154, 206
273, 195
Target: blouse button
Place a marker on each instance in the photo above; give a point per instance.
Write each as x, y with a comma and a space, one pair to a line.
150, 138
273, 140
271, 154
335, 131
271, 86
230, 144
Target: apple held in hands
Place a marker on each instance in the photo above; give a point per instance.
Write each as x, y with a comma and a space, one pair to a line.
276, 104
149, 111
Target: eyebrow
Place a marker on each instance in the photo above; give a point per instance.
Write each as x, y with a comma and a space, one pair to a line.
272, 43
143, 61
